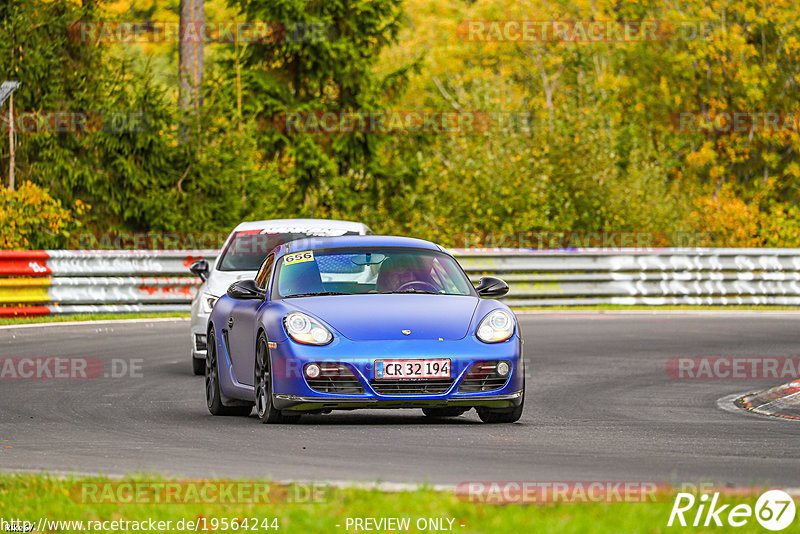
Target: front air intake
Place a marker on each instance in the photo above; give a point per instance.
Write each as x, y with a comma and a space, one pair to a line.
333, 378
483, 376
409, 386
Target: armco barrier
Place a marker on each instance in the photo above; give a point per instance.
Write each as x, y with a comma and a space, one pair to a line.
63, 282
43, 282
635, 277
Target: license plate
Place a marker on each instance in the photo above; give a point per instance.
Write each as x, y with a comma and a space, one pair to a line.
412, 368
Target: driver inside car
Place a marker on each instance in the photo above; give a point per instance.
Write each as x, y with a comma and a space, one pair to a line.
405, 273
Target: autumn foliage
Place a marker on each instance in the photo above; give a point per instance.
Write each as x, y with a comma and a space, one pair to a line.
31, 219
691, 129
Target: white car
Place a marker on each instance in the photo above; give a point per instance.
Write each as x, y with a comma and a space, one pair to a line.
242, 255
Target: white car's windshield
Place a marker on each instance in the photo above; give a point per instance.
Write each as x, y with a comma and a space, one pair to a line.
346, 271
248, 248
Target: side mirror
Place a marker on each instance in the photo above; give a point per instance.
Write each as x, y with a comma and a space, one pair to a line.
200, 268
245, 290
492, 287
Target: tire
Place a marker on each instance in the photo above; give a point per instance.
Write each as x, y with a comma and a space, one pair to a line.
265, 410
510, 415
489, 415
213, 394
447, 411
198, 366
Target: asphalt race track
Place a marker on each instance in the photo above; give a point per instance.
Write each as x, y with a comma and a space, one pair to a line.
600, 406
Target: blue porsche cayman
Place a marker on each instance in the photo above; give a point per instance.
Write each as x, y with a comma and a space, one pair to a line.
341, 323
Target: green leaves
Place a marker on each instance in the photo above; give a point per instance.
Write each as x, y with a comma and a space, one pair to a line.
580, 137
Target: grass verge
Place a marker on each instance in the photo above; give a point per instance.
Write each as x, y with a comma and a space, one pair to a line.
300, 509
87, 317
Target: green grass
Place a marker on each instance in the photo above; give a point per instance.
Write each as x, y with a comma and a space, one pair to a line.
29, 497
86, 317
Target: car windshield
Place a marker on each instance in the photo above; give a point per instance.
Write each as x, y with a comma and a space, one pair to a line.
247, 249
340, 271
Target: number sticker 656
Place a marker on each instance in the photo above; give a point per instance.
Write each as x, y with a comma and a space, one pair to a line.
298, 257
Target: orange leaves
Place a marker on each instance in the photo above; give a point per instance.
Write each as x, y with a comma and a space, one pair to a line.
729, 219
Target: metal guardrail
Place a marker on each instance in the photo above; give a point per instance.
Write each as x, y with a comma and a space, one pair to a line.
655, 277
41, 282
64, 282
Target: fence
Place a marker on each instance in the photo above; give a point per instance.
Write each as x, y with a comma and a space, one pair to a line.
66, 282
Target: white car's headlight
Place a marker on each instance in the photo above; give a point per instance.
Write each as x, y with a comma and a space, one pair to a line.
207, 302
306, 330
497, 326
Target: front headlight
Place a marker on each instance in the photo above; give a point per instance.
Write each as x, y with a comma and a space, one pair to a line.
306, 330
497, 326
207, 302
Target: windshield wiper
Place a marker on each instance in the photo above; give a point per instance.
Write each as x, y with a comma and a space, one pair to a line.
317, 294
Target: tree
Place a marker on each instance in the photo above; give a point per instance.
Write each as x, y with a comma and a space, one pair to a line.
191, 58
321, 57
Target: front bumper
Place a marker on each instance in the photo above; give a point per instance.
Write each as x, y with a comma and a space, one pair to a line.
198, 335
291, 390
308, 404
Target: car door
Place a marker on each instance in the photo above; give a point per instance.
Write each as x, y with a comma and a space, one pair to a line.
242, 328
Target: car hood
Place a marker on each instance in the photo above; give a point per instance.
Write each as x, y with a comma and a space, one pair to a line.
384, 317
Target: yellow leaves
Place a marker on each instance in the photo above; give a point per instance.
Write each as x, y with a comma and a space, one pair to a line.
29, 217
793, 169
792, 45
717, 103
702, 157
731, 220
755, 94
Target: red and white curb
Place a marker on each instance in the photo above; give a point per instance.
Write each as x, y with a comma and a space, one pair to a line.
782, 401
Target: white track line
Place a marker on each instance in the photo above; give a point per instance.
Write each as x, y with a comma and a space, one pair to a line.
391, 487
103, 321
739, 313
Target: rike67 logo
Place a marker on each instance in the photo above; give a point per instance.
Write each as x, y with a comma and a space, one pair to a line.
774, 510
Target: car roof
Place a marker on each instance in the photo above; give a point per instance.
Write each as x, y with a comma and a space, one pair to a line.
313, 243
302, 224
